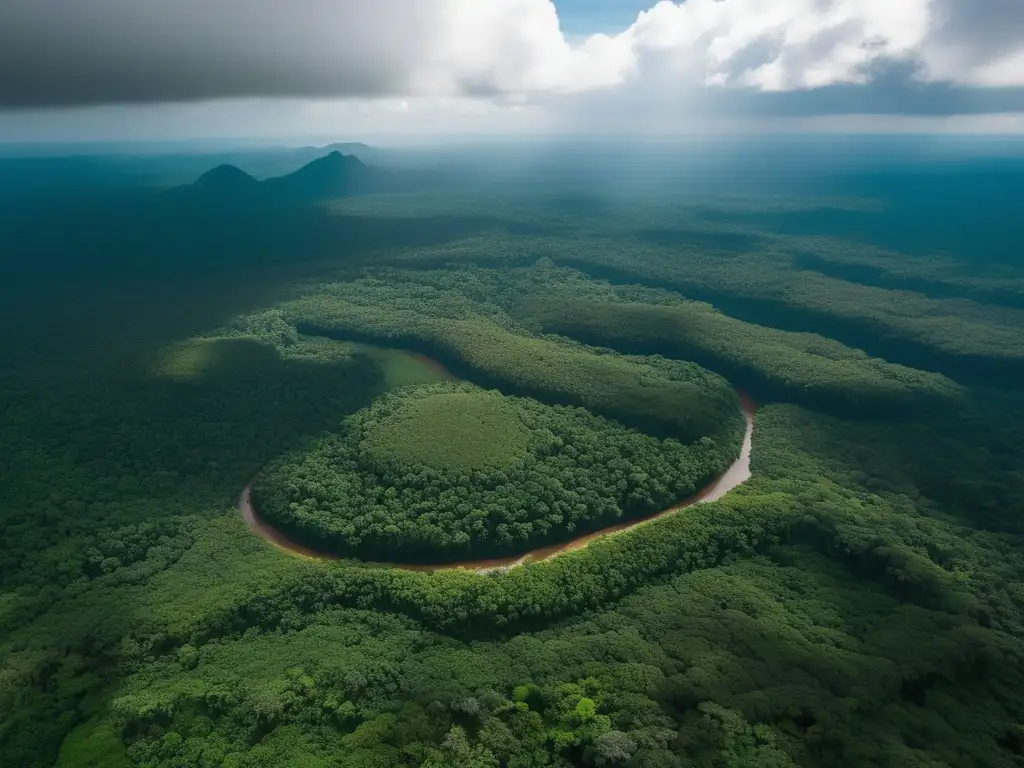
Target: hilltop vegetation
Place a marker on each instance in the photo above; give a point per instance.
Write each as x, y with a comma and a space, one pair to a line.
449, 472
857, 602
450, 429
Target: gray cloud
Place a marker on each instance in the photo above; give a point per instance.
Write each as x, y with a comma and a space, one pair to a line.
893, 88
54, 52
987, 29
723, 57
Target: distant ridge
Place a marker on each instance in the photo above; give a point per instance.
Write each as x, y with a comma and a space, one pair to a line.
333, 176
346, 148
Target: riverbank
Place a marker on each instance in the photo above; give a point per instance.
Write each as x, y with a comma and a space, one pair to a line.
737, 474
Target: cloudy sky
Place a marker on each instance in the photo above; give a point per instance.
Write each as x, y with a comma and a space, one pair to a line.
163, 69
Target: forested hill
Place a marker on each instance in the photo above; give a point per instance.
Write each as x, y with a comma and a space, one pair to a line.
226, 180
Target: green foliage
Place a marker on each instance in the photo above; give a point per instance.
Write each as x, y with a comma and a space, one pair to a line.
950, 335
685, 402
449, 471
774, 365
92, 744
100, 475
466, 430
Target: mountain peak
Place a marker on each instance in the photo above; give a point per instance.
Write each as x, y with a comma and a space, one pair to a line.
333, 175
227, 178
336, 157
333, 164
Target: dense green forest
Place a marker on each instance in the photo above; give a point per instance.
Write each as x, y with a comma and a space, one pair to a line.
858, 601
448, 472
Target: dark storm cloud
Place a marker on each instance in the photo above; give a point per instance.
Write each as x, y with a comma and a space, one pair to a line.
76, 52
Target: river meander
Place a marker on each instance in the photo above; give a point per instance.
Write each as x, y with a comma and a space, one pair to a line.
737, 474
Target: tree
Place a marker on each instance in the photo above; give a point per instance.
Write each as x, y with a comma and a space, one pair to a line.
613, 748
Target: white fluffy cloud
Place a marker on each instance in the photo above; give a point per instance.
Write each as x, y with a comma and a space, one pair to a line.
59, 53
787, 45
